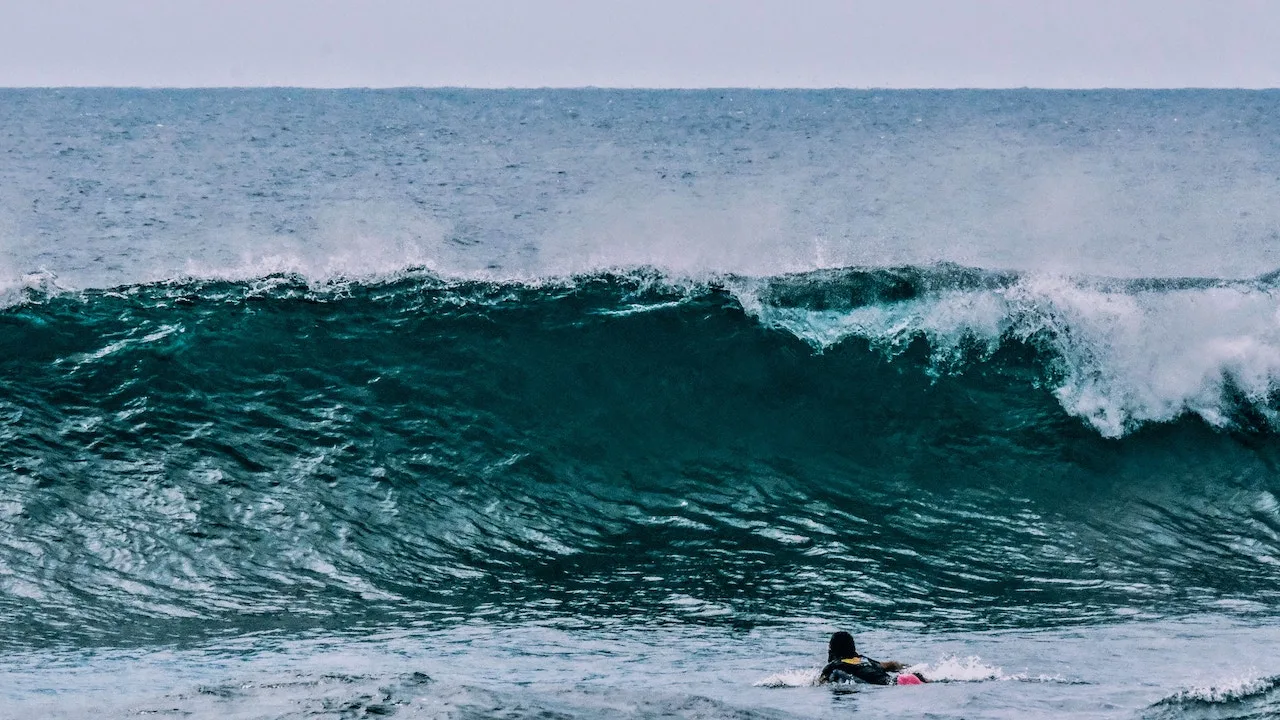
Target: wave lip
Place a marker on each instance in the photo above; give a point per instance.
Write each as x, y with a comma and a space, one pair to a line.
1120, 353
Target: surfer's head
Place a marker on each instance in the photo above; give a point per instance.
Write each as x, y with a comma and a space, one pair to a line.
840, 647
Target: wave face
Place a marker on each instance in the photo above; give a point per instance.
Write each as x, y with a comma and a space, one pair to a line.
929, 445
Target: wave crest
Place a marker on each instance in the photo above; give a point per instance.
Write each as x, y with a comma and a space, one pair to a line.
1247, 696
1120, 354
232, 452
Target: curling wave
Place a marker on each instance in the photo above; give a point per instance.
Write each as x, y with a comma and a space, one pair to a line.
939, 445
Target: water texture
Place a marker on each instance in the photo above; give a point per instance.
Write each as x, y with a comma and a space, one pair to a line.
565, 403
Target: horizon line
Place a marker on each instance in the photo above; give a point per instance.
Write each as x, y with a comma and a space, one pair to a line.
649, 88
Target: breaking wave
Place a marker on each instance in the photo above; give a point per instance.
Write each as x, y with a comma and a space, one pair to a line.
941, 445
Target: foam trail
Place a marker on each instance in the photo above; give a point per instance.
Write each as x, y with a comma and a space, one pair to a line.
800, 677
973, 669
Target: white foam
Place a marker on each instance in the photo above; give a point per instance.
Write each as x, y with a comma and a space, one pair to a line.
799, 677
15, 283
353, 241
957, 669
17, 289
948, 669
1124, 357
972, 669
1234, 688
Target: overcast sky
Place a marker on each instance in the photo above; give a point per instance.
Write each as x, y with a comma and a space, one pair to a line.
642, 43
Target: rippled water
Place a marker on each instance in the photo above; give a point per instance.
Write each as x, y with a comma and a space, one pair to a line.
502, 404
481, 670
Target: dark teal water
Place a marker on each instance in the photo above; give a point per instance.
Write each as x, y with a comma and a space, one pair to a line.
455, 404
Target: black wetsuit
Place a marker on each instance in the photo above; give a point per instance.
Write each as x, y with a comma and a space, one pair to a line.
856, 669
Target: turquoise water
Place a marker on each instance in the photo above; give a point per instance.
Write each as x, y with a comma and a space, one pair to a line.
564, 403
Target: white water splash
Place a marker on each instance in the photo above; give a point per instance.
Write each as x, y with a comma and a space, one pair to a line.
354, 241
1250, 682
17, 289
948, 669
799, 677
972, 668
1124, 357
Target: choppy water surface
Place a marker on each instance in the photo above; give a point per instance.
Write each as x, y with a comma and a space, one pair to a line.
503, 404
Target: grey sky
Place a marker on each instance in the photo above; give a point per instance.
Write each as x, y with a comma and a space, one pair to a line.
644, 43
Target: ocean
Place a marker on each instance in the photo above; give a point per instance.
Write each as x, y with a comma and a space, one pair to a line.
588, 403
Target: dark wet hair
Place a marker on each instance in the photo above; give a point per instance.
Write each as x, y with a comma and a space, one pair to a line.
840, 647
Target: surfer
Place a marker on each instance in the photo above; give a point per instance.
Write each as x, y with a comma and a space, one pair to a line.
844, 664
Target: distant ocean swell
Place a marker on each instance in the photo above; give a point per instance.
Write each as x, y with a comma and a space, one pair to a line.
937, 445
